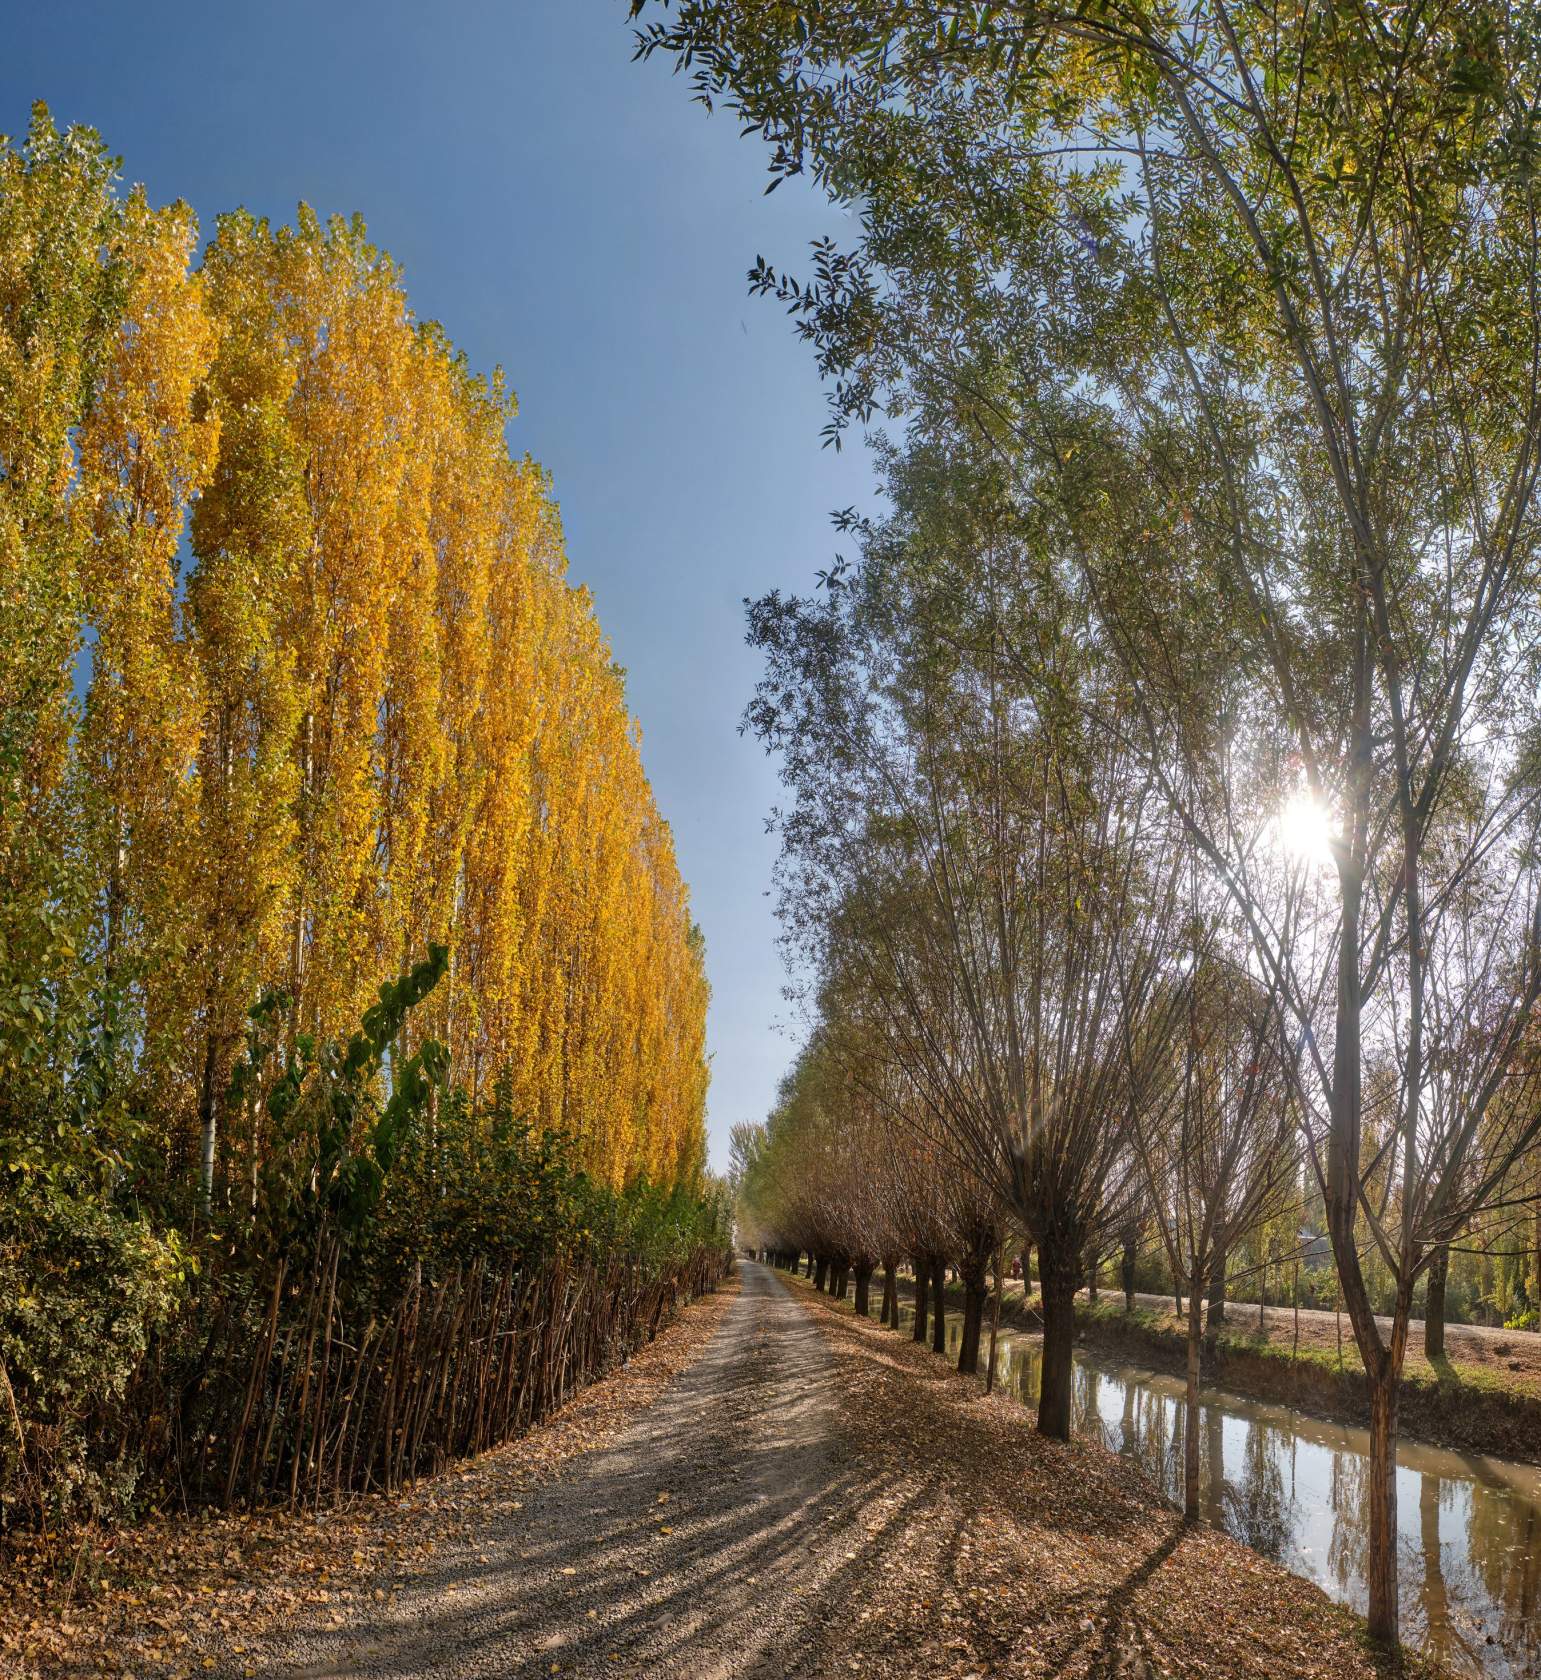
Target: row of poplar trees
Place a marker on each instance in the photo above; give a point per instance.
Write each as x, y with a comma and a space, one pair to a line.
292, 684
352, 1067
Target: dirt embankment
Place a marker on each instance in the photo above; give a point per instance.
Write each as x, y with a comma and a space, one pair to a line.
1485, 1398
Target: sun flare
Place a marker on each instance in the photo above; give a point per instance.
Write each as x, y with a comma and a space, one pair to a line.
1305, 829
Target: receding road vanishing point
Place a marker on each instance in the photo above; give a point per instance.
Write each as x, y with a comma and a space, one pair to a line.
774, 1488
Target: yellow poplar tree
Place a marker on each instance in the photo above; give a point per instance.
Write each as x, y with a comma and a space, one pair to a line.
58, 310
145, 450
250, 532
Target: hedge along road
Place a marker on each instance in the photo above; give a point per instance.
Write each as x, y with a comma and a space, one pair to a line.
702, 1543
815, 1496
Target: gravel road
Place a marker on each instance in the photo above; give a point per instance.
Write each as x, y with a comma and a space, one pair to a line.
705, 1542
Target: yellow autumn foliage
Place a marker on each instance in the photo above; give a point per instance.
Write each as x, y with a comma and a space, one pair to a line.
341, 700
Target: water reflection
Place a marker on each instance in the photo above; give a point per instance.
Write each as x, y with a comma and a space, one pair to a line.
1292, 1487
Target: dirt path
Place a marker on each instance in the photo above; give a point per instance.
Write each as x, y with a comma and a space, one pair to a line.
700, 1543
816, 1497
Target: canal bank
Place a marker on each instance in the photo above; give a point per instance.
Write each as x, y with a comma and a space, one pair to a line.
1459, 1408
1453, 1403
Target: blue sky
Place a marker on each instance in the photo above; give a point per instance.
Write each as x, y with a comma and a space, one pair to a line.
573, 216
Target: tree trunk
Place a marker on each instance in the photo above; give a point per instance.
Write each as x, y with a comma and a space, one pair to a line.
922, 1298
1217, 1290
890, 1296
208, 1122
1059, 1285
842, 1283
1434, 1310
1536, 1296
863, 1289
1126, 1275
1091, 1274
939, 1309
1191, 1411
995, 1317
1342, 1180
974, 1297
1027, 1270
821, 1273
1381, 1494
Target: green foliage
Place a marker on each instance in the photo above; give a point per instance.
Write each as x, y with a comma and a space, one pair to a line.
113, 1292
333, 1137
84, 1287
481, 1182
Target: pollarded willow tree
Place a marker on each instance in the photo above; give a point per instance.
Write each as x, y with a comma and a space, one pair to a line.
851, 1167
992, 884
939, 1205
1275, 273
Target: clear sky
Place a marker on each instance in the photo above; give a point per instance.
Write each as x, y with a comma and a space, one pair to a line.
573, 216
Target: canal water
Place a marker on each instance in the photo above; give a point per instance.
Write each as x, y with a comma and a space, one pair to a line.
1292, 1487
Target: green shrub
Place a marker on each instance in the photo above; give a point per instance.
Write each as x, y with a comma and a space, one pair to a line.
84, 1288
130, 1326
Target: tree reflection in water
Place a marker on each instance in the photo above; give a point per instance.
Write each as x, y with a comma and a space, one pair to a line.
1258, 1510
1348, 1553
